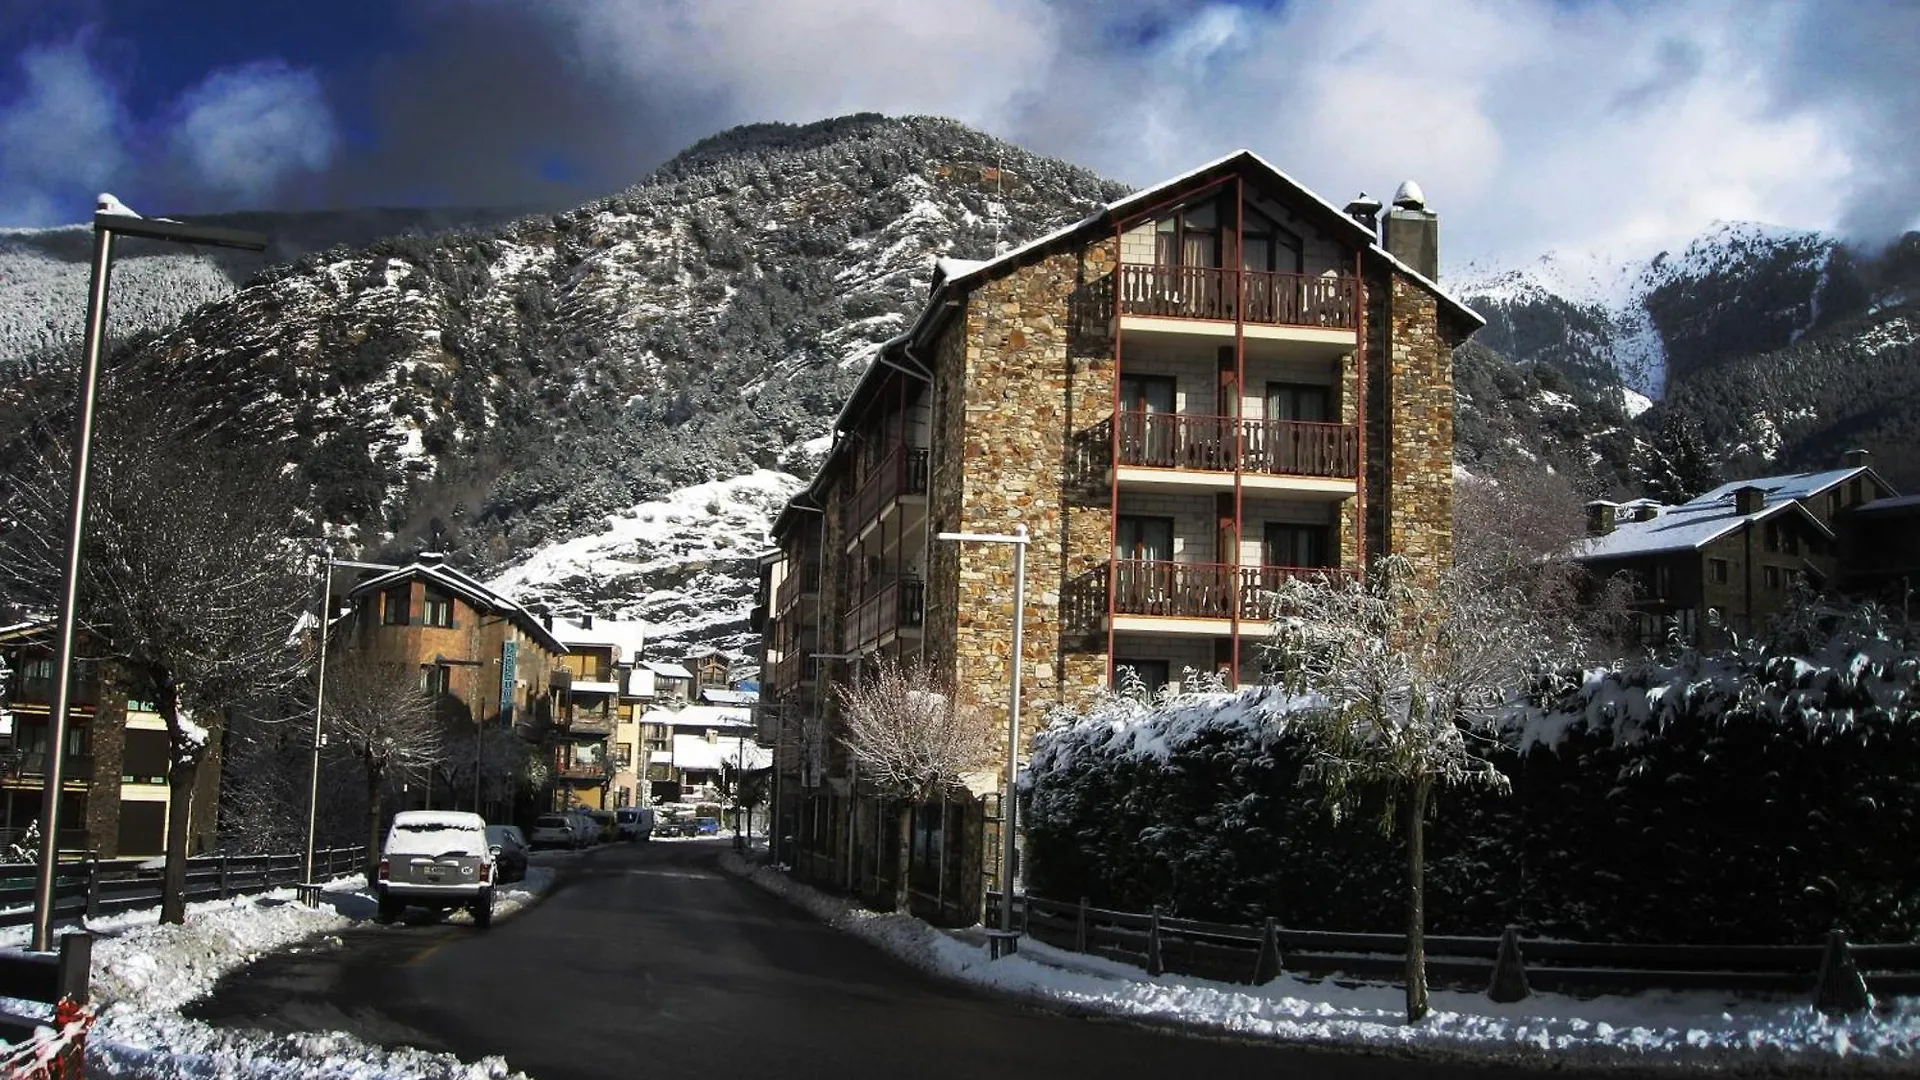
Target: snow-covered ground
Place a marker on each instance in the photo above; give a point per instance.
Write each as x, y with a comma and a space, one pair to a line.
1697, 1029
145, 973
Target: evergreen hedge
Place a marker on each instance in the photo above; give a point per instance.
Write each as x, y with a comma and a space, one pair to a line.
1751, 798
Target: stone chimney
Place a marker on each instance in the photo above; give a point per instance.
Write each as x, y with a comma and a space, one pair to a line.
1413, 231
431, 558
1365, 209
1749, 500
1858, 459
1600, 517
1646, 512
586, 620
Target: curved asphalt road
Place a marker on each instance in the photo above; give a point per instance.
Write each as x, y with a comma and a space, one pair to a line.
651, 961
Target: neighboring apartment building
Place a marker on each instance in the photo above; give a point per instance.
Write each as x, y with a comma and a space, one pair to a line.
594, 711
1187, 397
486, 659
114, 785
1727, 561
682, 741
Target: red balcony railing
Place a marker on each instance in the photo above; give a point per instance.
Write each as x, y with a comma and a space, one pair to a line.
803, 578
902, 472
899, 605
1204, 590
1199, 292
1206, 443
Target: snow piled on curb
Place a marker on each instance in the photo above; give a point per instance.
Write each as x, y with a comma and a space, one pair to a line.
1681, 1029
144, 973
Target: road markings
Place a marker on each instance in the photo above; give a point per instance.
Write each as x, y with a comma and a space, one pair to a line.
675, 874
421, 956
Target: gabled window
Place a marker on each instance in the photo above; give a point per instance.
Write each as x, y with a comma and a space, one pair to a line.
395, 604
438, 610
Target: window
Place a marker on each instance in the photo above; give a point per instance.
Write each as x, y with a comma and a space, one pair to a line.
1717, 571
1297, 401
394, 604
1295, 545
623, 755
1790, 541
1773, 536
1773, 578
1189, 238
1144, 538
1833, 502
1266, 247
1153, 674
438, 610
144, 759
1661, 580
436, 679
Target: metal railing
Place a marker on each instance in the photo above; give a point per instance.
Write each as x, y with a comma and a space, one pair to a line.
1217, 294
1209, 443
93, 887
903, 471
899, 605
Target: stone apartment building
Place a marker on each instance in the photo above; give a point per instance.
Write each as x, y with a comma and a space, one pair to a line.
486, 659
114, 785
1726, 562
1190, 395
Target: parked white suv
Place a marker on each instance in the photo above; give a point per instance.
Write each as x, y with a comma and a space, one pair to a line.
436, 859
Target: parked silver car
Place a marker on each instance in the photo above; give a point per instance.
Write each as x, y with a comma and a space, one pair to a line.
436, 859
557, 830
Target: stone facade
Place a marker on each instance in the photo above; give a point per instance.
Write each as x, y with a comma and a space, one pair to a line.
1419, 377
1035, 377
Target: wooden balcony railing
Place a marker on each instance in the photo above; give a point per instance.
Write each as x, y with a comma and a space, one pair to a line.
584, 770
793, 670
902, 472
803, 578
1207, 443
588, 723
1199, 292
899, 605
1204, 590
1185, 590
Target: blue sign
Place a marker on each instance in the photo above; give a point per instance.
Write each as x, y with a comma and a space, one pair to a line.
507, 655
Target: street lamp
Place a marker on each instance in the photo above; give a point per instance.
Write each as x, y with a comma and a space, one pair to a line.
1008, 801
319, 703
111, 217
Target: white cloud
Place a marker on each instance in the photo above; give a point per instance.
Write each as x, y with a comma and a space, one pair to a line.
60, 139
244, 130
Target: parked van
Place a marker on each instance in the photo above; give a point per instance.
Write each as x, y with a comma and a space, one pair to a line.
634, 822
606, 828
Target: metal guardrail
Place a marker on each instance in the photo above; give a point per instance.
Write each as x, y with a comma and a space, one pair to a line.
1837, 974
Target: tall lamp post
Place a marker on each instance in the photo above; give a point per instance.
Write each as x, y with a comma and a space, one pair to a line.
319, 704
1008, 801
110, 218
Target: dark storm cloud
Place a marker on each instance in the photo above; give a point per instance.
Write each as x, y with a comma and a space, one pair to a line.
1861, 62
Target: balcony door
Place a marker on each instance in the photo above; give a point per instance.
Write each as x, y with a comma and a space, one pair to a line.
1296, 545
1187, 247
1143, 539
1289, 447
1146, 420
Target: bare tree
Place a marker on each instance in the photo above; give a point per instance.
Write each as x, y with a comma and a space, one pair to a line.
1407, 674
188, 576
911, 741
1515, 527
377, 713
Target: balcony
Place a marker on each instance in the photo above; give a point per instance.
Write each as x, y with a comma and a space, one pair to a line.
32, 765
593, 771
1180, 597
587, 724
900, 606
1305, 307
803, 579
902, 473
794, 670
1307, 459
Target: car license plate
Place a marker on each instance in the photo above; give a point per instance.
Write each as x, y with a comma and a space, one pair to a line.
433, 873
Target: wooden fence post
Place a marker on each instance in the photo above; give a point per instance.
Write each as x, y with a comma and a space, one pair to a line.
1080, 928
225, 890
93, 886
1154, 966
1268, 965
1840, 988
1509, 981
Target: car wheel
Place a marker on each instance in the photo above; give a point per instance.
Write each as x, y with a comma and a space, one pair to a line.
482, 910
389, 910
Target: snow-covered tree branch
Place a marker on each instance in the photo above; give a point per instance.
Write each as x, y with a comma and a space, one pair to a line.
377, 713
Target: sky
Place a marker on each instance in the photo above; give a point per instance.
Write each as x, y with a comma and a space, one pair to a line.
1616, 126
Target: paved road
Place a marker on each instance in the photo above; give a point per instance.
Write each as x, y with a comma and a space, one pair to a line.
651, 961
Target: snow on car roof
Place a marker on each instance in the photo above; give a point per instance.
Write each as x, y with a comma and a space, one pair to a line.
437, 833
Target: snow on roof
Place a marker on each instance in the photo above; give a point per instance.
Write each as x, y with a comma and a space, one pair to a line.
728, 697
667, 669
948, 268
701, 716
1888, 504
1678, 528
625, 635
1791, 486
695, 752
467, 588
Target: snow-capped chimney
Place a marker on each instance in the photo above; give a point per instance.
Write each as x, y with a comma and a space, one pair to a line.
586, 620
1413, 231
1600, 517
1749, 499
1858, 459
1365, 209
432, 558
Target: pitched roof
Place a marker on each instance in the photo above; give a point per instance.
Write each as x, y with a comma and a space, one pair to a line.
695, 752
1803, 485
466, 588
1687, 526
700, 716
625, 635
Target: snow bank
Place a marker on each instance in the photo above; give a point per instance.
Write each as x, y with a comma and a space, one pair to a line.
1657, 1028
144, 973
